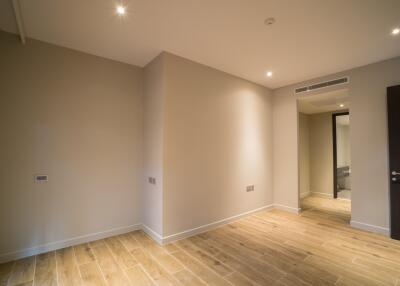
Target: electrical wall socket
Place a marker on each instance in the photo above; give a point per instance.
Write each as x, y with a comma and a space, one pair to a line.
250, 188
152, 180
41, 178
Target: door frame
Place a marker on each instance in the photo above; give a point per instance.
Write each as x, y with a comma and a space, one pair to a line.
334, 143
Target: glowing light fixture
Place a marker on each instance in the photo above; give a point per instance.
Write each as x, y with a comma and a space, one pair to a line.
341, 105
120, 10
396, 31
269, 73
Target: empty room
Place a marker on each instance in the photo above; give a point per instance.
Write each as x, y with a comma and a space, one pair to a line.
199, 142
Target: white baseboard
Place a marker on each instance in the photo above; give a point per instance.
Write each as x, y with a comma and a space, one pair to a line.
304, 195
343, 199
153, 234
325, 195
287, 208
120, 230
207, 227
370, 227
4, 257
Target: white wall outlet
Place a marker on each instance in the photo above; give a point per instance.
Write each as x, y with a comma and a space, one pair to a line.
41, 178
250, 188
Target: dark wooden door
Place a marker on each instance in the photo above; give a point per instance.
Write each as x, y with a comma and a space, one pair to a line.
393, 102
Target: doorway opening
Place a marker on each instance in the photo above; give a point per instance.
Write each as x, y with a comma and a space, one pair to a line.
341, 156
324, 153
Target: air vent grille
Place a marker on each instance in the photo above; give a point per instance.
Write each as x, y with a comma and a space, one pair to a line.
316, 86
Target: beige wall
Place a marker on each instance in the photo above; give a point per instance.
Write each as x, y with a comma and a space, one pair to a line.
304, 154
321, 153
153, 138
368, 137
77, 118
285, 150
218, 140
343, 145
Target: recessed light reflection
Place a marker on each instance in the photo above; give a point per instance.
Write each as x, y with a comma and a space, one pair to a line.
120, 10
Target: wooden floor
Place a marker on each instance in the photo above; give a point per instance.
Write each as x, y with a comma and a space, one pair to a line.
316, 247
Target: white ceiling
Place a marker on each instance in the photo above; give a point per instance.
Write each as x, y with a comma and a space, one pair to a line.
310, 38
324, 102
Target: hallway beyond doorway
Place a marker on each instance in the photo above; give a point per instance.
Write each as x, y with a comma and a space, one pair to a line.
337, 209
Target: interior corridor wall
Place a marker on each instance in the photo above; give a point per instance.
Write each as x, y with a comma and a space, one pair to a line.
321, 153
304, 154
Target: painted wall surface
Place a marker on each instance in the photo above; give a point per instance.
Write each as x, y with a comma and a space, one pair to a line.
78, 119
304, 154
343, 145
153, 138
368, 137
217, 141
321, 153
343, 153
285, 149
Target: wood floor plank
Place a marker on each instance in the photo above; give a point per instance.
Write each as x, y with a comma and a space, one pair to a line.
238, 279
200, 270
30, 283
138, 277
122, 256
67, 269
349, 272
162, 256
113, 274
46, 270
23, 271
242, 253
153, 268
97, 243
208, 260
83, 253
128, 241
91, 275
235, 263
5, 272
187, 278
170, 248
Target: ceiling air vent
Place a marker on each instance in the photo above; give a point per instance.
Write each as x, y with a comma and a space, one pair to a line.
320, 85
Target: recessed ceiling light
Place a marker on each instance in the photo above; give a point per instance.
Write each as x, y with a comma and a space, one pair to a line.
120, 10
396, 31
269, 73
341, 105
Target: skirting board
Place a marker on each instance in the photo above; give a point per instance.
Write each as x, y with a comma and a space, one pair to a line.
324, 195
305, 195
287, 209
116, 231
153, 234
206, 227
65, 243
370, 227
